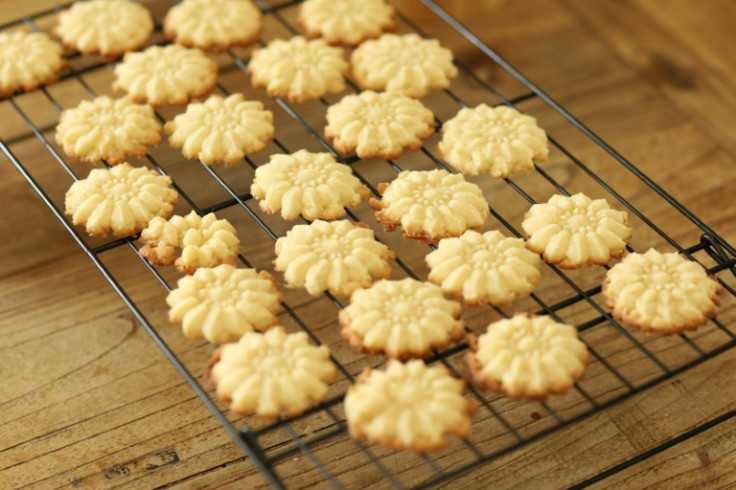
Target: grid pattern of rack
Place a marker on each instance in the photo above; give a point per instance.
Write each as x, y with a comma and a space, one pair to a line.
624, 362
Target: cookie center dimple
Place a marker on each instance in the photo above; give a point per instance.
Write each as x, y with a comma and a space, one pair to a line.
578, 220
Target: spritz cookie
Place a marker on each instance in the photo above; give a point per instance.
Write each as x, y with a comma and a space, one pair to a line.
403, 319
28, 60
527, 357
272, 373
163, 75
204, 242
430, 205
105, 27
223, 303
575, 231
121, 200
346, 22
378, 125
221, 129
408, 406
107, 129
298, 69
406, 64
213, 25
338, 256
484, 268
311, 184
496, 140
661, 292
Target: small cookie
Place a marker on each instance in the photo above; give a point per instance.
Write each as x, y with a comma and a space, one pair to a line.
575, 231
408, 406
311, 184
213, 25
496, 140
299, 69
527, 357
272, 373
402, 319
661, 292
346, 22
107, 129
484, 268
121, 200
408, 65
223, 303
204, 241
221, 129
28, 60
378, 124
430, 205
105, 27
338, 256
162, 75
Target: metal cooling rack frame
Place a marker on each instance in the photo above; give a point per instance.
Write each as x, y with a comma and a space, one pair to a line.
722, 254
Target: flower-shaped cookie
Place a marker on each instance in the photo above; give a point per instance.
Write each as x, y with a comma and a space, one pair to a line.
221, 129
484, 268
223, 303
28, 60
337, 256
346, 21
496, 140
299, 69
121, 200
402, 319
575, 231
378, 124
311, 184
661, 292
408, 406
408, 64
213, 25
204, 241
163, 75
272, 374
527, 357
105, 27
107, 129
430, 205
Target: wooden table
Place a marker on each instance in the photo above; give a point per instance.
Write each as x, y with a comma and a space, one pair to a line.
88, 400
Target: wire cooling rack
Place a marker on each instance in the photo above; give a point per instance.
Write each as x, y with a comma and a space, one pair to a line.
315, 446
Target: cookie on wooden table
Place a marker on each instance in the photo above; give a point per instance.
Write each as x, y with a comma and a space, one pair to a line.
28, 60
346, 22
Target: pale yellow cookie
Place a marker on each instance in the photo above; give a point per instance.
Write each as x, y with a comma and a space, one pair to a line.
272, 374
311, 184
430, 205
408, 406
661, 292
406, 64
484, 268
28, 60
402, 319
496, 140
223, 303
121, 200
107, 129
575, 231
338, 256
204, 242
527, 357
379, 125
105, 27
346, 22
213, 25
298, 69
163, 75
221, 129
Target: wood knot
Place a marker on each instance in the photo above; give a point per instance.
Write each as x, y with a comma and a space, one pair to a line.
662, 70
